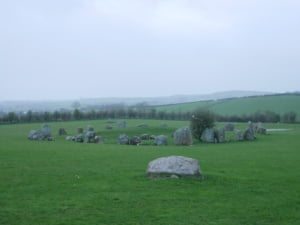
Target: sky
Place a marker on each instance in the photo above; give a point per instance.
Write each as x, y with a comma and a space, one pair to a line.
72, 49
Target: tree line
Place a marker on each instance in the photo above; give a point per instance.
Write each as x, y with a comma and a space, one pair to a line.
137, 113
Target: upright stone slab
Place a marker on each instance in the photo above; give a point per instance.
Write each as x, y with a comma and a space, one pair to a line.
208, 135
123, 139
122, 124
220, 135
161, 140
183, 136
174, 166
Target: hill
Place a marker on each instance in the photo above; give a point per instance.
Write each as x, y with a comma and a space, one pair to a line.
245, 105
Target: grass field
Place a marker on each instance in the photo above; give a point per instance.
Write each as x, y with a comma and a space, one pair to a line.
69, 183
240, 106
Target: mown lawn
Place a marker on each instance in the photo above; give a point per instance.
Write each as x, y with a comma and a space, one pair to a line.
64, 182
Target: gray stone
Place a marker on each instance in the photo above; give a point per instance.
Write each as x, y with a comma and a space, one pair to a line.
90, 128
122, 124
164, 125
208, 135
134, 140
69, 138
239, 135
161, 140
46, 131
62, 131
220, 135
123, 139
174, 166
79, 138
90, 137
98, 140
44, 134
79, 130
229, 127
145, 137
248, 135
108, 127
259, 128
183, 136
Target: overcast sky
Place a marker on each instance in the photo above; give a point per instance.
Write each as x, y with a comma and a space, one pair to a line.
71, 49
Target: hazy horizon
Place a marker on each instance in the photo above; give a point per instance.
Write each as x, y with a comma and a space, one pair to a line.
64, 50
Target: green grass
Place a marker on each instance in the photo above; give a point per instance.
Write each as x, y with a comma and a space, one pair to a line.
64, 182
240, 106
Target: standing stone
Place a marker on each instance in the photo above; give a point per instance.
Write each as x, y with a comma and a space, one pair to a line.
90, 128
79, 130
183, 136
208, 135
220, 135
123, 139
90, 137
69, 138
229, 127
164, 125
62, 131
248, 135
134, 140
98, 140
45, 131
122, 124
259, 128
161, 140
174, 165
78, 138
108, 127
145, 137
239, 135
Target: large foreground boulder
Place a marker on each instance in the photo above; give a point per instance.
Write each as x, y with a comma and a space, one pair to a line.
174, 166
183, 136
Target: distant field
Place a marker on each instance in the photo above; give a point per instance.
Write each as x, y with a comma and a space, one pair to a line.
69, 183
239, 106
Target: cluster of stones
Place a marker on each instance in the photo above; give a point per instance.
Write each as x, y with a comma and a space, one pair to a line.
89, 136
44, 134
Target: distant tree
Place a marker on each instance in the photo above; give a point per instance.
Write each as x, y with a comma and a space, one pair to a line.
12, 117
201, 119
77, 114
289, 117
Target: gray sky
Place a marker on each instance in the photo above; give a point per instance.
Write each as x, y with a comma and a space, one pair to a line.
70, 49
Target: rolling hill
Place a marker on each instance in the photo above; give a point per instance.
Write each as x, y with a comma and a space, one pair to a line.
245, 105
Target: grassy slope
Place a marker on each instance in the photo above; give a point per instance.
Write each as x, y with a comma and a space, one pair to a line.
68, 183
239, 106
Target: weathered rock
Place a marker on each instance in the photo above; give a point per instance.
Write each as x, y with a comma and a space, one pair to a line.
79, 138
229, 127
69, 138
179, 166
134, 140
220, 135
90, 137
98, 140
90, 128
79, 130
44, 134
248, 135
122, 124
62, 131
45, 131
152, 137
110, 120
183, 136
108, 127
145, 137
239, 135
123, 139
164, 125
259, 128
208, 135
161, 140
